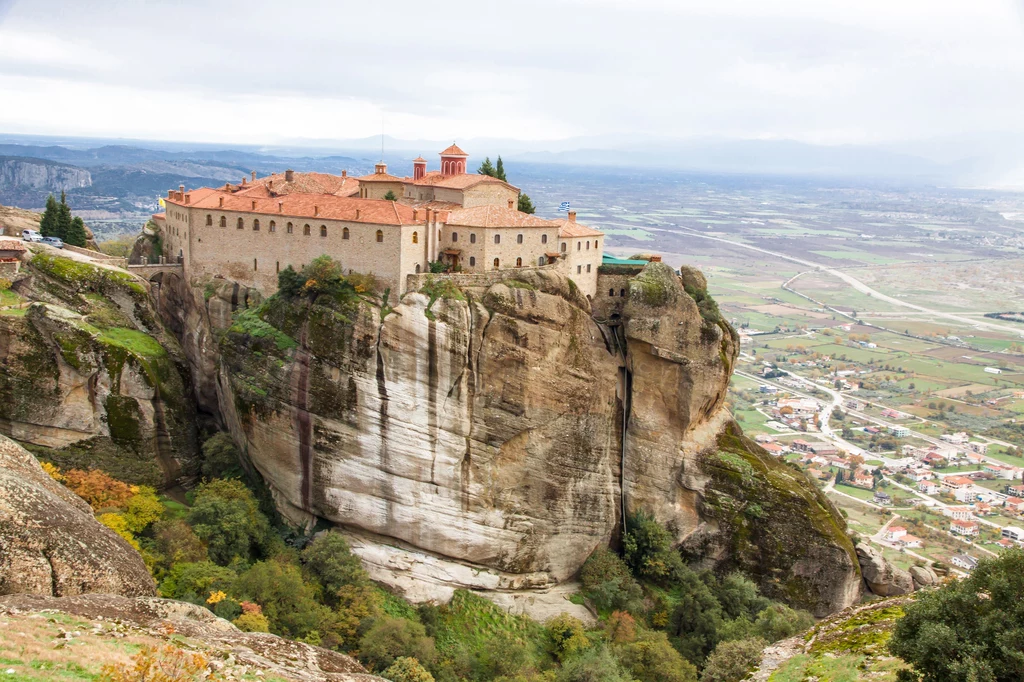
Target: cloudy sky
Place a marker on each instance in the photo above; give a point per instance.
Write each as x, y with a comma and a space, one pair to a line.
822, 71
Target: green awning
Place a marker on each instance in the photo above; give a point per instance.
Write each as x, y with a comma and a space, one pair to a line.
608, 259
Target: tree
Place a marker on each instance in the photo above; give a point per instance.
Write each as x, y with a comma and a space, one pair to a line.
486, 168
76, 232
63, 217
525, 205
48, 223
650, 658
390, 196
287, 601
608, 583
731, 661
779, 621
177, 543
648, 548
194, 581
221, 458
499, 170
391, 638
969, 629
226, 516
406, 669
331, 565
568, 635
594, 665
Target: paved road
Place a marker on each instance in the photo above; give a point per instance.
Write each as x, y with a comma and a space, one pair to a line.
860, 286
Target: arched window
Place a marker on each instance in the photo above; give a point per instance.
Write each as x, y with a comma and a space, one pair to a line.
344, 233
579, 245
622, 292
497, 239
540, 261
256, 225
209, 219
579, 269
455, 236
588, 267
417, 268
416, 240
241, 224
223, 221
323, 230
611, 292
380, 236
519, 239
472, 237
305, 230
289, 228
472, 261
496, 263
543, 239
519, 261
277, 266
588, 246
255, 265
563, 247
273, 227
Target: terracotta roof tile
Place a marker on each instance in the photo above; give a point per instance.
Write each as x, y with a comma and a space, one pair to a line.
453, 150
308, 206
494, 216
381, 177
568, 228
309, 183
11, 245
419, 159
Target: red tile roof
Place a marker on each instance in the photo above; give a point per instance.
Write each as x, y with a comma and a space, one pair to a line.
419, 159
309, 183
308, 206
495, 216
11, 245
460, 181
569, 228
381, 177
453, 150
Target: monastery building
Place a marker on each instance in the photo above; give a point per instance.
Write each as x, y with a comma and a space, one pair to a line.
377, 224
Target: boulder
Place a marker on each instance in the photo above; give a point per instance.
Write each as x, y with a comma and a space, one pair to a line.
881, 577
50, 543
923, 577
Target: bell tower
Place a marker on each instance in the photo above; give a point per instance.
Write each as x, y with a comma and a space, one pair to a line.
419, 167
453, 161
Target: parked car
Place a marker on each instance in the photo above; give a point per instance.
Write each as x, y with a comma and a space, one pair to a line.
31, 236
54, 242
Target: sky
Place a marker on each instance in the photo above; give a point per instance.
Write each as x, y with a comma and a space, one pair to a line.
254, 72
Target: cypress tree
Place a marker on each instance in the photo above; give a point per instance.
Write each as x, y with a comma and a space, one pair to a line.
76, 233
486, 168
63, 217
525, 205
48, 223
499, 170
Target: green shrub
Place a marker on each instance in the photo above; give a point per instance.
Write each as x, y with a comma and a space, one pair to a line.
329, 563
731, 661
406, 669
227, 518
608, 583
389, 639
651, 658
593, 665
287, 601
568, 636
221, 458
648, 548
194, 581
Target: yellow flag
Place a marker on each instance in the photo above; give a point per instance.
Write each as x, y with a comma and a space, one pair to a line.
163, 204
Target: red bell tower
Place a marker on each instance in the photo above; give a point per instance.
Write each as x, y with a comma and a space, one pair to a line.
453, 161
419, 167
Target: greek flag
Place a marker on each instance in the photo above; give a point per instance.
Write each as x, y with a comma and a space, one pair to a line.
564, 206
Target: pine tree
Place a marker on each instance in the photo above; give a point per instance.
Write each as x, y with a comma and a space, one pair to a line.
525, 205
486, 168
499, 170
48, 223
76, 233
63, 217
390, 196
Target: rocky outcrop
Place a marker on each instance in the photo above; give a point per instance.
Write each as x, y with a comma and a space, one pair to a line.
880, 576
923, 577
157, 622
84, 375
491, 437
50, 544
39, 174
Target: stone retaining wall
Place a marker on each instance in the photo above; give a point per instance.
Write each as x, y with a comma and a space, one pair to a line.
116, 261
415, 282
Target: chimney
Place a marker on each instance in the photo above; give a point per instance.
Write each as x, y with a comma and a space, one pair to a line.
655, 259
243, 181
510, 203
344, 173
181, 189
358, 212
316, 210
280, 207
254, 204
572, 216
415, 215
221, 205
289, 175
170, 194
187, 197
254, 176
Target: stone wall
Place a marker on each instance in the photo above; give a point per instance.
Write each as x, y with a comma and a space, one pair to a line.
612, 294
475, 279
9, 268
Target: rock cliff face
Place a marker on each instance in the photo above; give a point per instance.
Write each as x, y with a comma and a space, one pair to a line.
50, 544
491, 438
23, 173
84, 376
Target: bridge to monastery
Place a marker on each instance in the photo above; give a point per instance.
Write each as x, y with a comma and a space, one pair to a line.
150, 271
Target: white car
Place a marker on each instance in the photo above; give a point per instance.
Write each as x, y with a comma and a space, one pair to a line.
31, 236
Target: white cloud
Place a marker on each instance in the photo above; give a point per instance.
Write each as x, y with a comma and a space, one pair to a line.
873, 70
